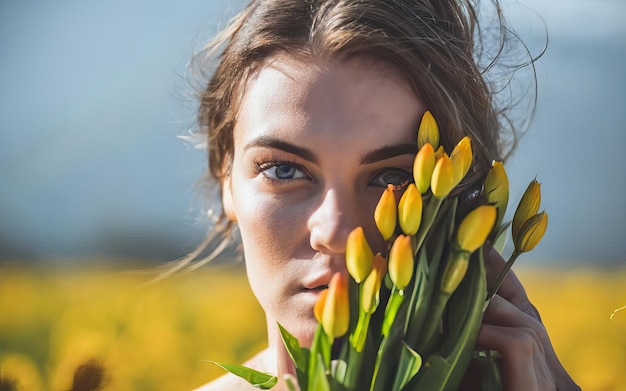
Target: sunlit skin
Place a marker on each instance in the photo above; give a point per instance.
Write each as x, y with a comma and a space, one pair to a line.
315, 146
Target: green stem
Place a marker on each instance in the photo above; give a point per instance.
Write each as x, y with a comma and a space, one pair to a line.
503, 273
358, 337
397, 296
430, 212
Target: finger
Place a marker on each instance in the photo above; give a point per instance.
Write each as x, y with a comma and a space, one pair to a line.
502, 313
524, 365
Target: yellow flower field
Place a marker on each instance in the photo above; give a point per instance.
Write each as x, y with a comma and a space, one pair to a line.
161, 336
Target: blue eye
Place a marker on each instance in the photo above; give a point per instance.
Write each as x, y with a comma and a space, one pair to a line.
397, 177
282, 171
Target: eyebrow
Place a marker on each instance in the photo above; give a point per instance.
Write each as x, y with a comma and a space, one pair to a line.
270, 142
383, 153
388, 152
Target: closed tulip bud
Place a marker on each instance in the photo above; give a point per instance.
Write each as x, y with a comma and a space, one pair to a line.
461, 158
531, 232
410, 210
423, 167
454, 272
428, 131
385, 213
371, 286
527, 208
497, 189
336, 311
401, 261
475, 227
358, 255
442, 181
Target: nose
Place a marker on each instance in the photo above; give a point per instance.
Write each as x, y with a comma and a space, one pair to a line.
333, 218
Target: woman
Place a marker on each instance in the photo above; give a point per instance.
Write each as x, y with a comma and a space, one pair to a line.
311, 111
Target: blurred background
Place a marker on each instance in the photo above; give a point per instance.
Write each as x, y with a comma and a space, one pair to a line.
94, 99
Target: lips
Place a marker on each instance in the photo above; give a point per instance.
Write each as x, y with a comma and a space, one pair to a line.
319, 288
318, 282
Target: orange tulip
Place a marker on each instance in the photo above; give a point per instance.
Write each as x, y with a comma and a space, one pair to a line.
336, 311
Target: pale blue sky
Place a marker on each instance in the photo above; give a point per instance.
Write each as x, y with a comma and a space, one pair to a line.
92, 101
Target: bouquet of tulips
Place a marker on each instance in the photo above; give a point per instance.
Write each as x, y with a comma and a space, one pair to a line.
410, 321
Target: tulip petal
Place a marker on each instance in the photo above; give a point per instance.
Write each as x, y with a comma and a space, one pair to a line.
461, 158
532, 232
358, 255
410, 210
428, 131
385, 213
370, 290
497, 189
423, 167
336, 311
528, 207
475, 227
401, 261
442, 181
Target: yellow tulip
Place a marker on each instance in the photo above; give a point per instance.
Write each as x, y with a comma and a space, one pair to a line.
336, 311
358, 255
410, 210
428, 131
461, 158
442, 181
318, 309
528, 206
401, 261
423, 167
497, 189
531, 232
439, 152
475, 227
371, 286
454, 272
385, 213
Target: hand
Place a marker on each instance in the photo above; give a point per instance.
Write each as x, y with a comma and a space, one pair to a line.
512, 326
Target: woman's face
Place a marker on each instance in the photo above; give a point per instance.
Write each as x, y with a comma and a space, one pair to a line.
314, 147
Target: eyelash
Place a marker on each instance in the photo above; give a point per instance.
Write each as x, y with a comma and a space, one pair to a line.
261, 167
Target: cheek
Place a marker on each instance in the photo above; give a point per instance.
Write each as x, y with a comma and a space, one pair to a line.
268, 231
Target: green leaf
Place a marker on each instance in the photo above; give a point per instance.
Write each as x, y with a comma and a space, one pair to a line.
293, 347
318, 381
410, 363
261, 380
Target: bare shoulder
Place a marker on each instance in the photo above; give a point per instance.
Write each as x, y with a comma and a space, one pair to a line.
230, 382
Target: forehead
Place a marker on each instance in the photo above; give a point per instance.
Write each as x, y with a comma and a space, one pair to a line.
334, 97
